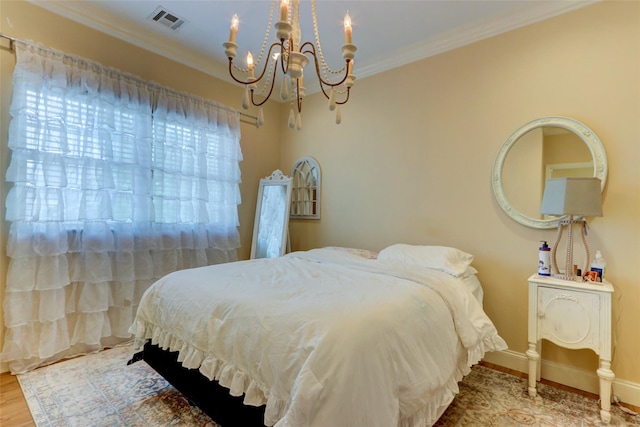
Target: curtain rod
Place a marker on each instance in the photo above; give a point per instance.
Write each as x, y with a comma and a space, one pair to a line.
11, 40
253, 119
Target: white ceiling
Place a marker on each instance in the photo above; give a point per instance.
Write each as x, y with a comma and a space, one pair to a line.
388, 33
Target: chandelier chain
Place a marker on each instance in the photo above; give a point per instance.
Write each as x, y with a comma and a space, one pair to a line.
264, 42
270, 75
268, 33
325, 68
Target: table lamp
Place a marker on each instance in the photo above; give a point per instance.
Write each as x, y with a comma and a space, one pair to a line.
575, 197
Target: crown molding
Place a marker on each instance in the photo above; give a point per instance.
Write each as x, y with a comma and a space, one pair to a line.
94, 18
534, 12
480, 30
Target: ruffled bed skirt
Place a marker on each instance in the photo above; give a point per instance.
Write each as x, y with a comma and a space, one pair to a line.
257, 394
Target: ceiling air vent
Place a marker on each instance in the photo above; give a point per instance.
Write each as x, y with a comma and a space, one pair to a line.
167, 18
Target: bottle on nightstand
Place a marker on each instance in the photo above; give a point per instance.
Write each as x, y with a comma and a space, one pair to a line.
599, 266
544, 259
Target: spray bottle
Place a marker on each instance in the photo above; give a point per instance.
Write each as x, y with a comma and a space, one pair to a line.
599, 266
544, 259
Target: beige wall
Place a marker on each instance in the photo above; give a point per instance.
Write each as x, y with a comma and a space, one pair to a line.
22, 20
411, 161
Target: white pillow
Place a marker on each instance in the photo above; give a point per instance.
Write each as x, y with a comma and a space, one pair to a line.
443, 258
470, 271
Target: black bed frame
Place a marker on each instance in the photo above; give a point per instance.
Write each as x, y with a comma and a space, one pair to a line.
211, 397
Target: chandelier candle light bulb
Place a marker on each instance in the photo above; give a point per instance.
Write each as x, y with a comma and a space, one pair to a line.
348, 32
284, 10
250, 64
233, 30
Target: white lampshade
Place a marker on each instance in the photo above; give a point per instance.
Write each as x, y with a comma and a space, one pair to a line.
572, 196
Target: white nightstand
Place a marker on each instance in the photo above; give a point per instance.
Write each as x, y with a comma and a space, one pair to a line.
572, 315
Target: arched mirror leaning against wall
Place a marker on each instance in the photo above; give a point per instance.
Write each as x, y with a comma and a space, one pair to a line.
549, 147
271, 225
306, 178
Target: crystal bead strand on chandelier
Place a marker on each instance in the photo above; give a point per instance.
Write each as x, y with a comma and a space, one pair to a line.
291, 56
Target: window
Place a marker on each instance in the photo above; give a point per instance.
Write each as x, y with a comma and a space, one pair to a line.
116, 182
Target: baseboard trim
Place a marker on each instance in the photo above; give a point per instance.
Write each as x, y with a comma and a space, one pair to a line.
627, 391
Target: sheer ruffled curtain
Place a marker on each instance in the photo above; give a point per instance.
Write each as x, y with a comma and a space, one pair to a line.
106, 198
196, 176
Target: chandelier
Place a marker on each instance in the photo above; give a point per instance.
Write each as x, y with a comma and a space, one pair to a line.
289, 55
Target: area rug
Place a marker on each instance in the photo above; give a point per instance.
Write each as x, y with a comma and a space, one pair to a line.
101, 390
491, 398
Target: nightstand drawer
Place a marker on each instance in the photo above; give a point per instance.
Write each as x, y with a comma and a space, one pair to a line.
569, 318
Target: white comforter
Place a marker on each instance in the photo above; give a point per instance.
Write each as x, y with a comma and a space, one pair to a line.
324, 337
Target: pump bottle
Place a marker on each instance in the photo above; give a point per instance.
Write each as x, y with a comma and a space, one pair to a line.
544, 259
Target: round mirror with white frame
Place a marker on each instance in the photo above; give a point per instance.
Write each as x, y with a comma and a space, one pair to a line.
549, 147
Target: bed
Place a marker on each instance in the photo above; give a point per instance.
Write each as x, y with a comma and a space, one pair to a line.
326, 337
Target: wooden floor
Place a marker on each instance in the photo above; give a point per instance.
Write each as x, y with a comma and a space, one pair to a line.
14, 411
